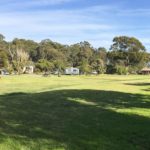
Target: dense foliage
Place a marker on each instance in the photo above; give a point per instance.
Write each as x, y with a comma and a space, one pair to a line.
126, 55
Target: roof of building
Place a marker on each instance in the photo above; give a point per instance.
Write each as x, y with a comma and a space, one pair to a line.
146, 69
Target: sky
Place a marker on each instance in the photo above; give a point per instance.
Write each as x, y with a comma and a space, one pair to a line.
73, 21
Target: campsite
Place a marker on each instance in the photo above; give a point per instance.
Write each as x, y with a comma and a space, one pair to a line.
74, 74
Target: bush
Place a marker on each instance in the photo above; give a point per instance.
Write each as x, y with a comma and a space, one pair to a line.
44, 65
110, 69
121, 70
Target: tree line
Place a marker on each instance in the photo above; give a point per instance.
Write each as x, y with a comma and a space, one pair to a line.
127, 55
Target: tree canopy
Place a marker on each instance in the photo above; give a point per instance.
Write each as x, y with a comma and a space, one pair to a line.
126, 55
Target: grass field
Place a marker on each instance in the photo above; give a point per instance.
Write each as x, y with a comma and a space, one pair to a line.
75, 113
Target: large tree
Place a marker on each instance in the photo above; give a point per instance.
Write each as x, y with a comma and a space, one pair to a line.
19, 57
127, 52
127, 44
100, 60
81, 52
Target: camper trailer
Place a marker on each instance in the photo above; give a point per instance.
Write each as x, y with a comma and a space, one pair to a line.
72, 71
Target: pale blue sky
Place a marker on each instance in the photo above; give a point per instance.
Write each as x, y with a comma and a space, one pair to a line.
72, 21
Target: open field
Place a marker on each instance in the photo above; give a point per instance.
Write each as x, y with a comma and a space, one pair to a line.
75, 113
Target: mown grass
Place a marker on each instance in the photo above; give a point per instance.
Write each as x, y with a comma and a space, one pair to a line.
75, 113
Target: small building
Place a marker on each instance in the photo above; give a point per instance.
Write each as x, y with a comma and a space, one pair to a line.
145, 70
72, 71
28, 69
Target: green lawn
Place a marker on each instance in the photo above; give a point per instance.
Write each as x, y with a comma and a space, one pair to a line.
75, 113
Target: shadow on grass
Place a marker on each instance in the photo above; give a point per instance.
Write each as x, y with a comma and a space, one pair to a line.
138, 84
147, 90
75, 120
